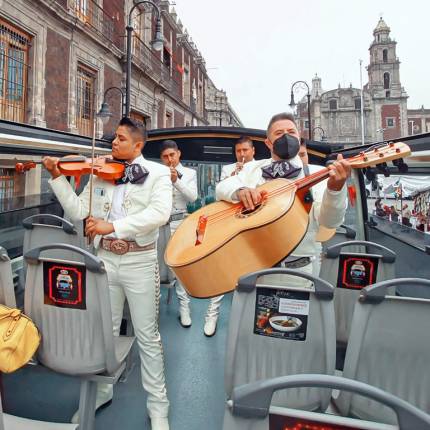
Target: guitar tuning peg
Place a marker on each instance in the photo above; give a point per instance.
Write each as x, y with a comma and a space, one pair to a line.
383, 168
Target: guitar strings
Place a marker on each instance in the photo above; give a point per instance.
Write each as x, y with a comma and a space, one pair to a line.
224, 214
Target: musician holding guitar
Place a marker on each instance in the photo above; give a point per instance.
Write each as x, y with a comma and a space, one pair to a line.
125, 219
329, 201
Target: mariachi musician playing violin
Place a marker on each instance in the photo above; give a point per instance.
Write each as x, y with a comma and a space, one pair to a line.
124, 224
329, 198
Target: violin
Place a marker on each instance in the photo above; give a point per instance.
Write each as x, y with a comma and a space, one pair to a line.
104, 168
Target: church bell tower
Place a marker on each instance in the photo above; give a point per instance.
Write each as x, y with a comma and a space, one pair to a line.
388, 96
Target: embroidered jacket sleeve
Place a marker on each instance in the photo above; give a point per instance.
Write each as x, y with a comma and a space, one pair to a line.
152, 216
329, 206
187, 185
76, 207
248, 177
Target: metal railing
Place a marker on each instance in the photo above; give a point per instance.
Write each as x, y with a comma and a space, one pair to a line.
145, 59
89, 12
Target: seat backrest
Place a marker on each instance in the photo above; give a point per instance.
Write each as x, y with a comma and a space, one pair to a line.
250, 406
44, 229
281, 330
166, 275
7, 293
69, 302
389, 348
350, 272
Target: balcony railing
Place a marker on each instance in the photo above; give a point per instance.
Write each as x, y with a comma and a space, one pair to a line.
89, 12
148, 61
154, 67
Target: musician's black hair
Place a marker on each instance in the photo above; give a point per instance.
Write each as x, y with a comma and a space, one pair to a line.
168, 144
244, 139
134, 126
279, 117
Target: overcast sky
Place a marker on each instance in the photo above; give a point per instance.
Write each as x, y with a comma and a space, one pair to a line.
259, 48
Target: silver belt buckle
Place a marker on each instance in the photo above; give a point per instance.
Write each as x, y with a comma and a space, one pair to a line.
119, 246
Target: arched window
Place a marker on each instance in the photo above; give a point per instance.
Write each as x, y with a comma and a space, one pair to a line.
333, 104
386, 81
385, 55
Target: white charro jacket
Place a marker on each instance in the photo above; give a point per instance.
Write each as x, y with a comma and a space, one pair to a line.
147, 206
184, 189
328, 208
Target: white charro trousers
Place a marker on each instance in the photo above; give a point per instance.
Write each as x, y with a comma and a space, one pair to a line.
184, 298
135, 276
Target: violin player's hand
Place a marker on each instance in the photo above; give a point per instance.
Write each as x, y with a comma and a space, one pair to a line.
51, 165
339, 172
94, 226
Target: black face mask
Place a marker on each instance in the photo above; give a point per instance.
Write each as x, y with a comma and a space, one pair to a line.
286, 146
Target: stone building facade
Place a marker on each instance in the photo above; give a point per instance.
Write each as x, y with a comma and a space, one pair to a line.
219, 111
338, 111
58, 57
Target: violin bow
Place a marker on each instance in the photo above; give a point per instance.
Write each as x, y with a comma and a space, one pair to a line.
93, 151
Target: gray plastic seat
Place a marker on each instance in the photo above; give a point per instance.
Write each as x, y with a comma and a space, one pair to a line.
388, 348
44, 229
70, 304
167, 277
250, 407
252, 356
7, 293
344, 298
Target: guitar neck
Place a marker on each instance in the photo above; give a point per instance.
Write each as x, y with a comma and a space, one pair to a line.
381, 153
311, 180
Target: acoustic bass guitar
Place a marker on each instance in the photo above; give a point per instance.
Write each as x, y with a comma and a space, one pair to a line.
222, 241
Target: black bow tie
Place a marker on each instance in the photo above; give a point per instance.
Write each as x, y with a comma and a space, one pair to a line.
133, 173
280, 169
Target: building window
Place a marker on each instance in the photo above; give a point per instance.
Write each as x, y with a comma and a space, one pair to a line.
169, 119
14, 47
167, 58
391, 122
85, 87
138, 117
386, 81
357, 104
6, 183
306, 125
387, 94
186, 90
385, 55
332, 104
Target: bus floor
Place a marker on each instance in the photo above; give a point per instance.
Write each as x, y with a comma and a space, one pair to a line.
195, 380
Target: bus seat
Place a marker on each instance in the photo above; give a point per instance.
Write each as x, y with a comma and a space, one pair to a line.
167, 277
7, 293
69, 302
336, 268
257, 350
389, 348
44, 229
250, 407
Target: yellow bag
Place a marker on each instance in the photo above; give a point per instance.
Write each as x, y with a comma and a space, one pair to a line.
19, 339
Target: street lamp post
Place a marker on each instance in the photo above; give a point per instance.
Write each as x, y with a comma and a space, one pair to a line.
323, 137
293, 104
105, 112
157, 44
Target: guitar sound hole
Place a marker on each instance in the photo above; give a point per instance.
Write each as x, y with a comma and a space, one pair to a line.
243, 213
